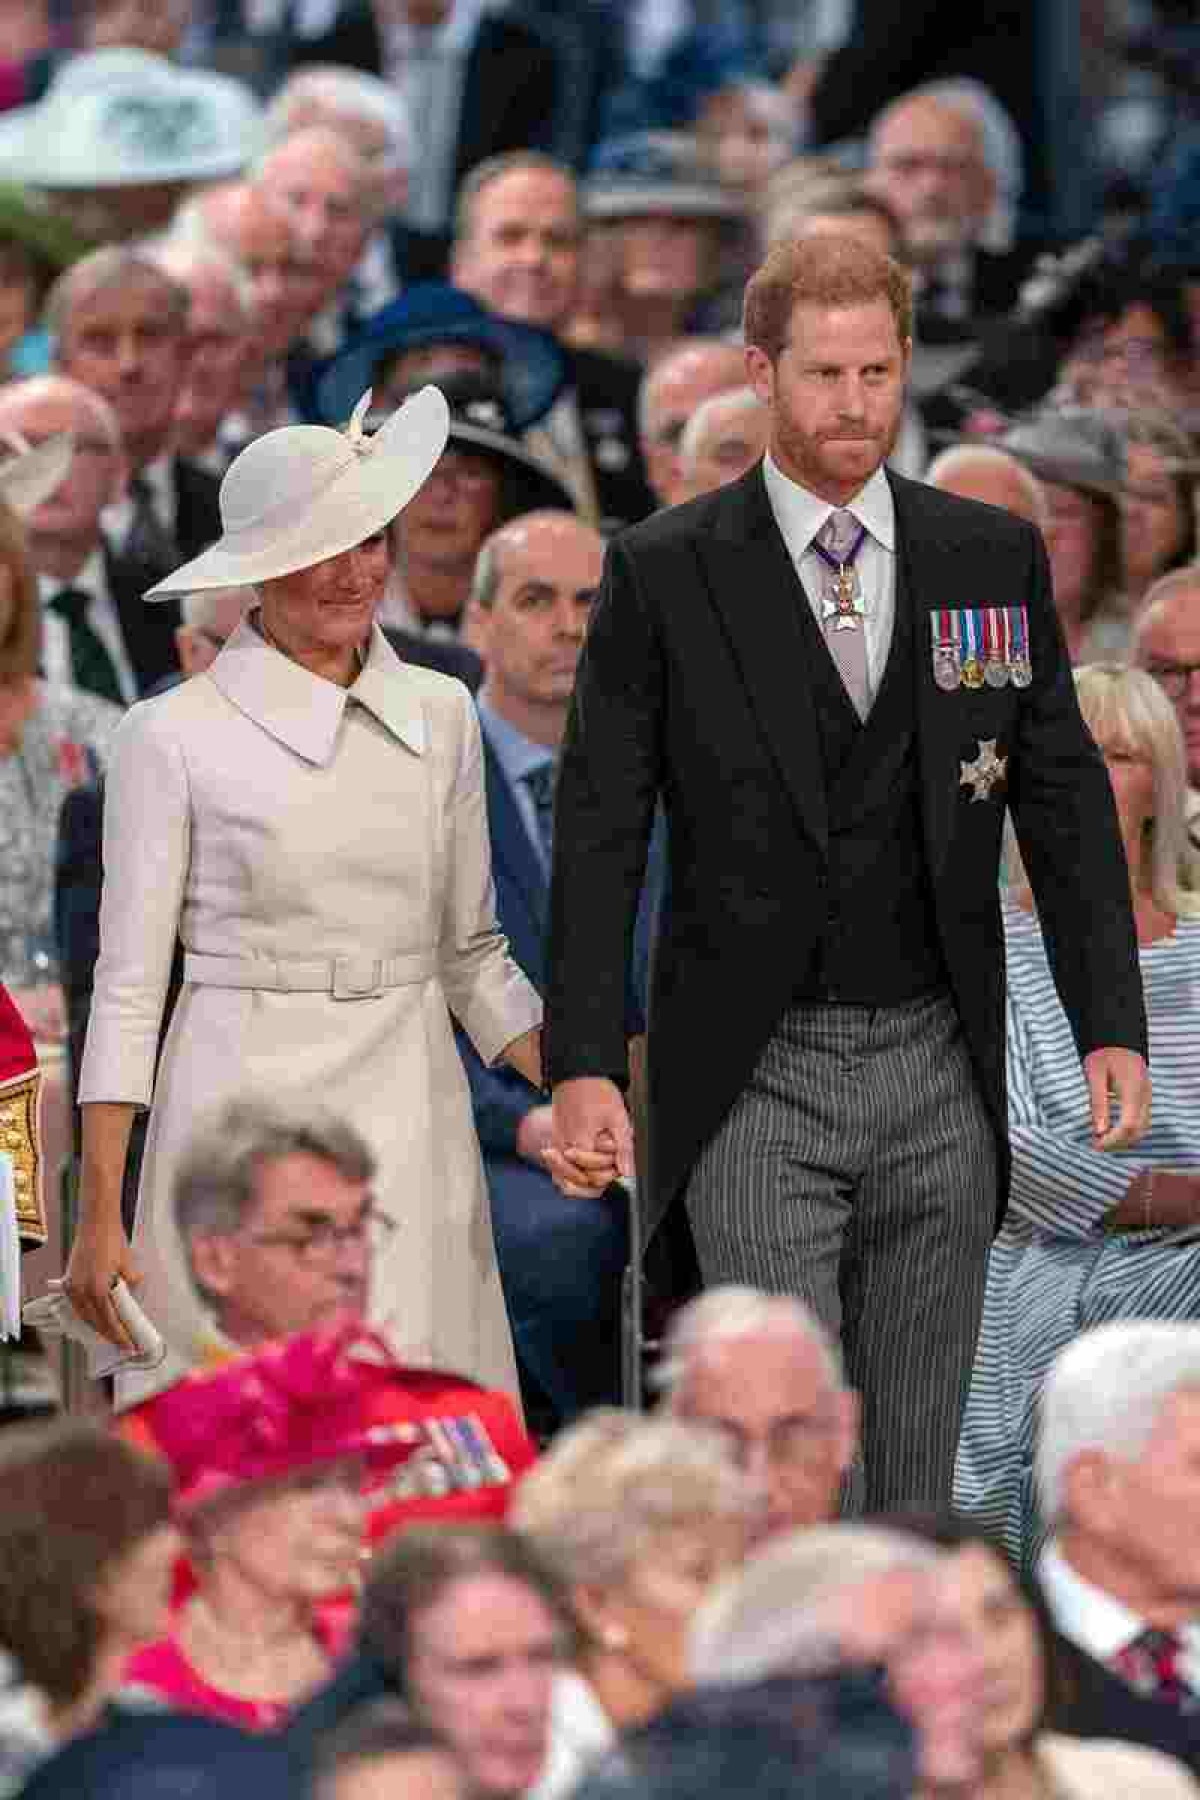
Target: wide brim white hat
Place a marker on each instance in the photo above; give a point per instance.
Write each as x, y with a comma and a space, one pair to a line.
121, 118
29, 476
304, 493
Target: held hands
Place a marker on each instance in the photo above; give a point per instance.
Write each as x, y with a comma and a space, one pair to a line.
1120, 1076
591, 1139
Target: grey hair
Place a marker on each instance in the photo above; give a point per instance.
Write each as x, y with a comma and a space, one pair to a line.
1129, 704
217, 1179
333, 143
493, 168
1104, 1393
183, 258
728, 1312
733, 402
776, 1616
199, 608
44, 387
112, 266
1162, 592
346, 92
987, 456
608, 1488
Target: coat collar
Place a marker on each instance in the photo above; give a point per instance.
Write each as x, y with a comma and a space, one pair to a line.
303, 711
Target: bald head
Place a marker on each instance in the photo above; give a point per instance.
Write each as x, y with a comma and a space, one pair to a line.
724, 438
535, 582
672, 389
979, 472
321, 182
81, 408
64, 530
927, 160
1166, 642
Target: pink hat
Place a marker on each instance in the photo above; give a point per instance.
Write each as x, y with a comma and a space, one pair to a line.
286, 1407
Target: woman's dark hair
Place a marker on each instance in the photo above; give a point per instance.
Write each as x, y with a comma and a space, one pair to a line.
412, 1573
1101, 292
76, 1501
950, 1531
377, 1728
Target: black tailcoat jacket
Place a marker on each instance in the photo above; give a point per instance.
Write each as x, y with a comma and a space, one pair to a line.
693, 687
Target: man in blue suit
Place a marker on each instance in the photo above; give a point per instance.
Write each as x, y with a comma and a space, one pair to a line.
560, 1260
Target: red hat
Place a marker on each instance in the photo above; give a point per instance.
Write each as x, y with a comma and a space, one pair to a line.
19, 1080
286, 1407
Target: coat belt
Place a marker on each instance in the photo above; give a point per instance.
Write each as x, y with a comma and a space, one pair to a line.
343, 977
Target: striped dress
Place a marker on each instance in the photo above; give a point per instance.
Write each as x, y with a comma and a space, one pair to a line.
1052, 1271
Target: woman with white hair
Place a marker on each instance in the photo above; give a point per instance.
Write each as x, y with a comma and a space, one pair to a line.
1091, 1237
307, 817
638, 1517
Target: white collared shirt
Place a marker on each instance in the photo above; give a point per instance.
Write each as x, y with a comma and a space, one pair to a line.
800, 515
117, 519
103, 618
1098, 1623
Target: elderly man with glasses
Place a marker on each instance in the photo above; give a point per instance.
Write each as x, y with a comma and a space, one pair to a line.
1166, 643
274, 1204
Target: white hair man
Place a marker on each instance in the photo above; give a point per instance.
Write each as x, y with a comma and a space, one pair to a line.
1118, 1478
982, 472
724, 438
928, 158
220, 335
842, 1596
320, 182
763, 1369
672, 389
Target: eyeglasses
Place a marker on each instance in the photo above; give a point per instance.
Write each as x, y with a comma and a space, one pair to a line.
1173, 678
322, 1240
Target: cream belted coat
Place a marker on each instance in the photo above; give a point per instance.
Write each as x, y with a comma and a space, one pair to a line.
276, 821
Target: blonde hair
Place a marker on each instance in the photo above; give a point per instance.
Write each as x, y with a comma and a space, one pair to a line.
21, 632
612, 1485
1128, 706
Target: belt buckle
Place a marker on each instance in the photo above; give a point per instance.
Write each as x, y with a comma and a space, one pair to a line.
357, 978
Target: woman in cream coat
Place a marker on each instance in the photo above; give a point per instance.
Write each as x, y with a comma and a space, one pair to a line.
308, 818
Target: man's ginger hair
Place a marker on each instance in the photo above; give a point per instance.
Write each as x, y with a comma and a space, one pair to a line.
827, 271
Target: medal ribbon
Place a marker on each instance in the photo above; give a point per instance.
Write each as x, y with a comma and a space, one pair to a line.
1017, 616
847, 562
991, 636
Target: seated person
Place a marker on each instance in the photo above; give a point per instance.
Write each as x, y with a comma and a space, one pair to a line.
274, 1206
535, 581
1116, 1459
1090, 1236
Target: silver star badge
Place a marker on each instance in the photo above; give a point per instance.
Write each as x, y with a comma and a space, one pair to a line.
982, 775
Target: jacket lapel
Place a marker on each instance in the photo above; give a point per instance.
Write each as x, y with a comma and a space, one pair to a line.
929, 574
755, 589
511, 849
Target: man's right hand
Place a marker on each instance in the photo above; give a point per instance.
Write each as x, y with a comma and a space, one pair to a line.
592, 1143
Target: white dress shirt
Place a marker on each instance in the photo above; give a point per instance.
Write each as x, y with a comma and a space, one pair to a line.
117, 519
1098, 1623
581, 1733
103, 618
800, 516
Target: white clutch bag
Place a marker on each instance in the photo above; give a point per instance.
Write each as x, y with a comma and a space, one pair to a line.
54, 1315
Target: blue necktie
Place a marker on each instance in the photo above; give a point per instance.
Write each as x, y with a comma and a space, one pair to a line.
540, 782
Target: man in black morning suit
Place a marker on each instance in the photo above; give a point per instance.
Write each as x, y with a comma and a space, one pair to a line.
827, 1013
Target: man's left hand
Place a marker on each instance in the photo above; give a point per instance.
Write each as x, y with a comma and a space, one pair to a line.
1119, 1075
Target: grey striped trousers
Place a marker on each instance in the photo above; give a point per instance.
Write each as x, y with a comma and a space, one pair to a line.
857, 1169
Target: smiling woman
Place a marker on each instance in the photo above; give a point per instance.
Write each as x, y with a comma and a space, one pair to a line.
307, 817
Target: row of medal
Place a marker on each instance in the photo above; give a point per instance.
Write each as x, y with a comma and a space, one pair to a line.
976, 647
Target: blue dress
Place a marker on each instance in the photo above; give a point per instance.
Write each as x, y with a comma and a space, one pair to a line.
1053, 1272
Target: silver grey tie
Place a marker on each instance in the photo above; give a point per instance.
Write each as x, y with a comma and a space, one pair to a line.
848, 649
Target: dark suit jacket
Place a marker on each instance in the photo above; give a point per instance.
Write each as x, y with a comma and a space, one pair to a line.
500, 1097
1089, 1701
197, 512
692, 686
437, 653
509, 95
606, 390
147, 627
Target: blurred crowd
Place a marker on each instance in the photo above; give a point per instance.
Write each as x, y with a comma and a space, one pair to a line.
302, 1566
